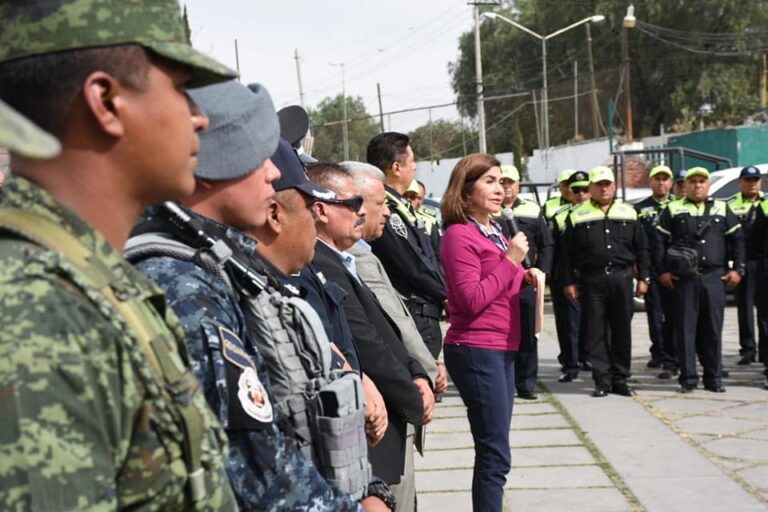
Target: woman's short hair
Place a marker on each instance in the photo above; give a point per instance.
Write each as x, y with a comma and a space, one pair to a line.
454, 206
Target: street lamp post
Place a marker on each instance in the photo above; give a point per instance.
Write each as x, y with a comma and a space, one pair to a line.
544, 39
629, 22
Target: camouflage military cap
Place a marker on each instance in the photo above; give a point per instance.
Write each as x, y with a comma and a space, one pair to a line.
21, 136
36, 27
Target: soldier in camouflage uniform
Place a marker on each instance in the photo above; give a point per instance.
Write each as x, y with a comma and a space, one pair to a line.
268, 472
88, 351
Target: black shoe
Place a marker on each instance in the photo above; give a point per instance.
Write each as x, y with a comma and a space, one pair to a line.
566, 377
654, 363
600, 392
666, 374
527, 395
725, 374
439, 398
715, 388
765, 372
746, 360
586, 366
687, 388
766, 384
622, 389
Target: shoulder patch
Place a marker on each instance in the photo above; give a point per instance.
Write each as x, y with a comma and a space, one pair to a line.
233, 349
398, 226
253, 396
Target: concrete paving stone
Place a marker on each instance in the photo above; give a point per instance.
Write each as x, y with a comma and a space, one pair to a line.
753, 392
741, 449
539, 422
441, 425
455, 411
554, 437
718, 425
758, 434
563, 477
525, 408
517, 439
557, 477
447, 440
558, 500
444, 501
701, 439
758, 411
446, 459
551, 456
757, 477
676, 407
451, 401
521, 457
444, 480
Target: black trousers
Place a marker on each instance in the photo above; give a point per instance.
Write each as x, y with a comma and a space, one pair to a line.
761, 301
745, 302
607, 310
699, 310
567, 323
659, 304
527, 356
427, 319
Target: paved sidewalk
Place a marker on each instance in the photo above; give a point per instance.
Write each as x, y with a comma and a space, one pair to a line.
658, 451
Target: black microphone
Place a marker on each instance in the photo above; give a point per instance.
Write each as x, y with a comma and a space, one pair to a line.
508, 217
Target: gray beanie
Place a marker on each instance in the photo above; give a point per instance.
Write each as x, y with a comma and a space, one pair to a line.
243, 132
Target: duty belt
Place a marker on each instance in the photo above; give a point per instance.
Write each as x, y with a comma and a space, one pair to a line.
424, 308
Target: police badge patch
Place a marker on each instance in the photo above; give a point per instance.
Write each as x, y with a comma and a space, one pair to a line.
253, 397
398, 226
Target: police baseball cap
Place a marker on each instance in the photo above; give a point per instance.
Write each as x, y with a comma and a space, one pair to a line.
578, 179
750, 172
37, 27
243, 130
564, 175
680, 175
510, 172
601, 173
413, 188
696, 171
292, 173
661, 169
22, 137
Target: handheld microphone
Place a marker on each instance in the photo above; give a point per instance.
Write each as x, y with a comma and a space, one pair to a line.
510, 222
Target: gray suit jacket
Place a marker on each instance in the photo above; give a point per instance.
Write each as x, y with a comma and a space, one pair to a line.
372, 272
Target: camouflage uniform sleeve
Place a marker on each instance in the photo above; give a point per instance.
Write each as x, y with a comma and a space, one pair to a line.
267, 471
66, 395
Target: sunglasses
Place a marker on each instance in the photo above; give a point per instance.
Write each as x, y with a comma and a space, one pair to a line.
580, 190
353, 203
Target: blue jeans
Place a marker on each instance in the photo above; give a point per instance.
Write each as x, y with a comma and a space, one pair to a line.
486, 382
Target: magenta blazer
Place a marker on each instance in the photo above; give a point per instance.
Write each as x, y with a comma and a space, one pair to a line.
483, 289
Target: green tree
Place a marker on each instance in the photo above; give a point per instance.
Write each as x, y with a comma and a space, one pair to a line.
327, 129
708, 54
442, 139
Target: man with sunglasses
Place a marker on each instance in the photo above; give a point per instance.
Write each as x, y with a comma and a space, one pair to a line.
570, 333
402, 381
659, 300
602, 243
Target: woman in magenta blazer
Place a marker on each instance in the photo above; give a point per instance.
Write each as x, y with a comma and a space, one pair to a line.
483, 275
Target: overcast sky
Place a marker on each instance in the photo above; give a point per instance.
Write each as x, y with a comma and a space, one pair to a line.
405, 45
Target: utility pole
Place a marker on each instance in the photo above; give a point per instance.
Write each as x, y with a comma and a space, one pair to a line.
629, 22
479, 82
575, 99
298, 75
381, 109
237, 58
593, 96
344, 130
764, 82
431, 140
536, 118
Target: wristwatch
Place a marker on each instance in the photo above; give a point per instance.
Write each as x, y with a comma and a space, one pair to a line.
380, 489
